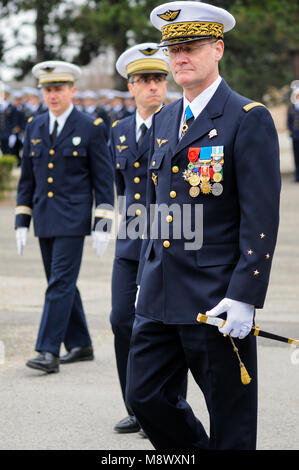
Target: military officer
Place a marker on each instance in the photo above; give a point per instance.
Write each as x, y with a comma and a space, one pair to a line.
10, 122
293, 124
66, 159
146, 68
214, 166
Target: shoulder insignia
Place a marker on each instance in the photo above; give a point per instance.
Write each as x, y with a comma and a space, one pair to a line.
115, 123
98, 121
159, 109
30, 119
249, 106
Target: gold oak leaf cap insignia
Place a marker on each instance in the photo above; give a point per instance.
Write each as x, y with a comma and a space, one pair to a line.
148, 51
169, 15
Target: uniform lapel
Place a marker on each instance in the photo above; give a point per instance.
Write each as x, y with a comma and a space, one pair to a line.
170, 128
130, 134
44, 129
204, 122
145, 143
68, 127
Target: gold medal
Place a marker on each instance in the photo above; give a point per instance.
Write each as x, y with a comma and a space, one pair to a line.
217, 177
206, 188
194, 191
194, 180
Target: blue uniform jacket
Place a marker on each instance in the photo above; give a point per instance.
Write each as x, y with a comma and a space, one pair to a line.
293, 122
59, 183
239, 225
130, 178
10, 121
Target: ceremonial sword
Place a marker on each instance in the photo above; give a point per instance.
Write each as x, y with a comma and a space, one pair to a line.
255, 330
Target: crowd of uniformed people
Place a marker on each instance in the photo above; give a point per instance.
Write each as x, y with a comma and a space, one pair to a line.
18, 105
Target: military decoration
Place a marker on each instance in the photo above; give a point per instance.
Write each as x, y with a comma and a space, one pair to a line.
76, 140
205, 170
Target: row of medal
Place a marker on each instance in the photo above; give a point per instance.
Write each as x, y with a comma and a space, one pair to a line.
205, 170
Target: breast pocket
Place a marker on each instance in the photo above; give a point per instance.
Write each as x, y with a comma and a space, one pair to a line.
156, 161
121, 163
35, 152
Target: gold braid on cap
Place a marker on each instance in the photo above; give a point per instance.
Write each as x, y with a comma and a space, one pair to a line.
191, 30
142, 65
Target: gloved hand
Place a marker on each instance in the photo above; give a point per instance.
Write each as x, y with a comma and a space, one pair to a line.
100, 241
21, 238
12, 140
239, 318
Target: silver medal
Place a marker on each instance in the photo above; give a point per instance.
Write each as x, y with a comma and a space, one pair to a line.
217, 167
217, 189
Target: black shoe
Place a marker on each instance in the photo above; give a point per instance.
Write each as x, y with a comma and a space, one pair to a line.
127, 425
142, 434
78, 354
45, 361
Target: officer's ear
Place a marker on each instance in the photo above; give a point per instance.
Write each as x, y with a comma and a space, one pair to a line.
131, 88
219, 48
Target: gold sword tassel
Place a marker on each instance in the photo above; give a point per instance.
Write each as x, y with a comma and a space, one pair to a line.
245, 377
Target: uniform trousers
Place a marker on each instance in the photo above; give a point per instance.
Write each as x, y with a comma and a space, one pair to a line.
63, 319
160, 356
124, 289
296, 158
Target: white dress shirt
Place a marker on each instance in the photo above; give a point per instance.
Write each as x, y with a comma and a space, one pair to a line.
61, 119
140, 121
200, 102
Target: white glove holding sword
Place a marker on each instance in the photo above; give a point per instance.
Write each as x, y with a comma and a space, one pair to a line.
239, 319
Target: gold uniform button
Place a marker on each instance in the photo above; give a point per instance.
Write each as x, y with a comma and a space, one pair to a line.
117, 165
136, 164
175, 169
52, 152
75, 153
154, 163
50, 165
166, 244
169, 219
137, 196
138, 212
172, 194
32, 153
137, 179
50, 194
50, 180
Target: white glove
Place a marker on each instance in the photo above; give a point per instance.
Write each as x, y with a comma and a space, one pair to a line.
100, 241
239, 318
21, 237
12, 140
137, 294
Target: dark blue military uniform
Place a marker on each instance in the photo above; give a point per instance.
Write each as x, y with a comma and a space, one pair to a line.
10, 123
293, 126
56, 186
130, 165
239, 225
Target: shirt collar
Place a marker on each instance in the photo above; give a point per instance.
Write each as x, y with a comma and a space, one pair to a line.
139, 121
200, 102
61, 119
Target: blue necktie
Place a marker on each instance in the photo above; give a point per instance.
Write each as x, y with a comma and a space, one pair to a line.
188, 119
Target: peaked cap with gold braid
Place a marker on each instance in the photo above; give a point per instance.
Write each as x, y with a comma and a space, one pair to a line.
55, 73
187, 21
142, 58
